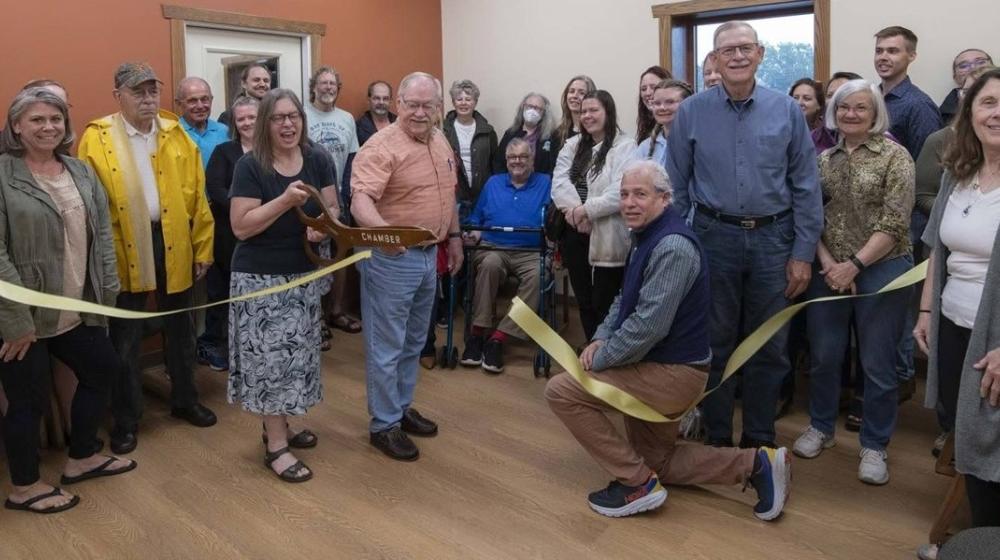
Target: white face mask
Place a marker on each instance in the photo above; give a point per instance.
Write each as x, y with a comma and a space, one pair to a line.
532, 116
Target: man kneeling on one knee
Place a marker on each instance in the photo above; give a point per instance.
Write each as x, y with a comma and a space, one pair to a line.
654, 345
513, 199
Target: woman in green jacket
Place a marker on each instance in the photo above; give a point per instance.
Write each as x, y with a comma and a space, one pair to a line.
55, 237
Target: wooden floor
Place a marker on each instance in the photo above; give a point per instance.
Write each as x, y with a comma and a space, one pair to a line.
503, 480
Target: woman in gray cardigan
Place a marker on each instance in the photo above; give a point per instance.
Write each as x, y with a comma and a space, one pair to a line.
959, 325
55, 237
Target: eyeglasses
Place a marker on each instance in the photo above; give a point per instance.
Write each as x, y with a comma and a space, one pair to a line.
291, 117
729, 52
858, 109
518, 157
972, 64
429, 107
663, 104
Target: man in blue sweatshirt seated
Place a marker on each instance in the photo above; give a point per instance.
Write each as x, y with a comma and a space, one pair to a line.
513, 199
654, 345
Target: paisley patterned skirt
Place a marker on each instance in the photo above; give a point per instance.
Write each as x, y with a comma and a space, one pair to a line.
274, 345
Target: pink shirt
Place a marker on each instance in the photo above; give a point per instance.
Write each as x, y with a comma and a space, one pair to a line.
412, 182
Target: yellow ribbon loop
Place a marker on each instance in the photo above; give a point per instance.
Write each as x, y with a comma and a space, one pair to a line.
564, 355
20, 294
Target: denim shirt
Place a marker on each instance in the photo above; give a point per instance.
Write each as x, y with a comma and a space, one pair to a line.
750, 158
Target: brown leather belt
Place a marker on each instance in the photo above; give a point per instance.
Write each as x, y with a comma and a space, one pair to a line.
745, 222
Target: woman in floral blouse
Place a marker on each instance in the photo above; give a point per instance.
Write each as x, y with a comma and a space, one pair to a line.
868, 184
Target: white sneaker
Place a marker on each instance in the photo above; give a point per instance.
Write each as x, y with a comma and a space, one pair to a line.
873, 469
811, 443
927, 552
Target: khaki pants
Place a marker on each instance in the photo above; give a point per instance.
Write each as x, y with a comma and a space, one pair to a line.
492, 268
669, 389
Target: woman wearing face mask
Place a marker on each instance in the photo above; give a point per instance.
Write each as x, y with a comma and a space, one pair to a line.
572, 96
585, 188
645, 121
667, 96
533, 122
809, 95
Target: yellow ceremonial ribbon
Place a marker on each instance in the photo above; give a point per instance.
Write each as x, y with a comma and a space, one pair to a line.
564, 355
23, 295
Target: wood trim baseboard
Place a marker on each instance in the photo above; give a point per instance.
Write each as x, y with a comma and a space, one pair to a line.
200, 15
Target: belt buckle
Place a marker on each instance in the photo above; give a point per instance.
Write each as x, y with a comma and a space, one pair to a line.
748, 223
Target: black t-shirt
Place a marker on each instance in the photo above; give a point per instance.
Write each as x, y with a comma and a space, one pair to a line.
278, 249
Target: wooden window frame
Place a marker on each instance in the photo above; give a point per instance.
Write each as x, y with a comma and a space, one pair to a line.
180, 16
677, 22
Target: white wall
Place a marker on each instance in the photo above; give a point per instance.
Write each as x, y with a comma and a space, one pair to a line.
509, 47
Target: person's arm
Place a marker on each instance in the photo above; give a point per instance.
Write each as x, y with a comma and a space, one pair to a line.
922, 330
494, 168
893, 218
924, 121
249, 217
110, 283
609, 202
372, 168
215, 180
803, 182
202, 221
929, 172
672, 269
15, 318
563, 192
680, 159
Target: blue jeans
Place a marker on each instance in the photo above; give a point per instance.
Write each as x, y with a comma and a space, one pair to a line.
880, 320
397, 295
747, 274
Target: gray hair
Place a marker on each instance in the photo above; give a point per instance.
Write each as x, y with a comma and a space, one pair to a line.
656, 173
519, 141
179, 94
729, 26
10, 142
409, 79
464, 86
548, 123
880, 122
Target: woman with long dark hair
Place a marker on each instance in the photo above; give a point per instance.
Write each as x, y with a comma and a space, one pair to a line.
585, 187
644, 120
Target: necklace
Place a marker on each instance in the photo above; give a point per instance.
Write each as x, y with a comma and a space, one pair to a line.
972, 200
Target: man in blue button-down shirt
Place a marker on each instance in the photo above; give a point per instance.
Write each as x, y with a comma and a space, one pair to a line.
753, 193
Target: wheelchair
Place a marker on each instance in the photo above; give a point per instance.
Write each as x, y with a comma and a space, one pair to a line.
545, 306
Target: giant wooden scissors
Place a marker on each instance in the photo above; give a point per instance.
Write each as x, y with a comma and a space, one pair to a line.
345, 237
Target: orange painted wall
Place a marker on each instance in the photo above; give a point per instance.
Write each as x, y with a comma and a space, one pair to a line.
81, 43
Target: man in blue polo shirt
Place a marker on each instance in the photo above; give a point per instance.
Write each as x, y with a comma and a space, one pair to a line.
514, 199
194, 97
741, 156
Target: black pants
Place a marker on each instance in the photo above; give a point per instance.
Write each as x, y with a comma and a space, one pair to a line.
984, 501
215, 336
178, 342
953, 343
89, 353
595, 287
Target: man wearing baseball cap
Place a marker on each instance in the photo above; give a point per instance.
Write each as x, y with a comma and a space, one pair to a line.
163, 232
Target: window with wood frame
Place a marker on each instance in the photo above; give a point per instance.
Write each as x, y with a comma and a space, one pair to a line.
795, 34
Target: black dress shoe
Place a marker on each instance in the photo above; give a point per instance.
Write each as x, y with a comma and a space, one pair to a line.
394, 443
123, 442
413, 423
196, 415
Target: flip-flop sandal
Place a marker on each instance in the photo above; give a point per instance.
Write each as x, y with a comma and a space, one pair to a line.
99, 471
26, 505
292, 473
345, 323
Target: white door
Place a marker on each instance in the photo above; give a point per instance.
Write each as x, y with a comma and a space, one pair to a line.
208, 51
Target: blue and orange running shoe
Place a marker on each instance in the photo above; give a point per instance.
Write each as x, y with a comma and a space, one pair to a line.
619, 500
